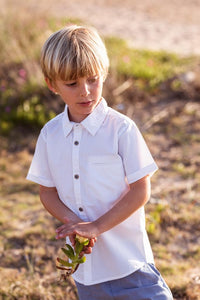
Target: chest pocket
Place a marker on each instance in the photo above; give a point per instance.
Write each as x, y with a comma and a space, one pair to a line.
105, 182
104, 159
106, 170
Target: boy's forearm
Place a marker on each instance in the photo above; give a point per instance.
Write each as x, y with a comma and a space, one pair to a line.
52, 203
137, 196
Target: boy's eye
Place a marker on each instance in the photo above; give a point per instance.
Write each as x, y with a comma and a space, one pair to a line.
92, 79
71, 83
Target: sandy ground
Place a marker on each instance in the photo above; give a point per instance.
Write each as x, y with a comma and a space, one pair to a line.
172, 25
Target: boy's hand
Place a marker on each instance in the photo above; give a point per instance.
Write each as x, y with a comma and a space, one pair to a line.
85, 229
87, 249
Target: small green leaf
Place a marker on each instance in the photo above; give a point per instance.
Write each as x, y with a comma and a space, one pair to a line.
69, 252
81, 260
86, 243
78, 248
64, 262
70, 248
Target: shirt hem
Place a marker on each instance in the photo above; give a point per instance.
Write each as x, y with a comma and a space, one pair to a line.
112, 277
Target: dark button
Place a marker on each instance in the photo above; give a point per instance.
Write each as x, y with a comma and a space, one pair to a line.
80, 208
76, 176
76, 143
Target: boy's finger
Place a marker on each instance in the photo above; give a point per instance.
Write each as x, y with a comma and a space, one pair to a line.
66, 221
72, 239
88, 250
92, 242
64, 232
60, 228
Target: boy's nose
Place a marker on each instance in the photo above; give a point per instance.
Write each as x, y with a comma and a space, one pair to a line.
84, 90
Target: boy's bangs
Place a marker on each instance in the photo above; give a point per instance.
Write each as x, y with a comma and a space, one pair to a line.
73, 72
84, 66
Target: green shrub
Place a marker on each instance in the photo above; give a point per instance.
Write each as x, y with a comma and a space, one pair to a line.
153, 67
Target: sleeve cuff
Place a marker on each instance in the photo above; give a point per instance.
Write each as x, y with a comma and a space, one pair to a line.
39, 180
148, 170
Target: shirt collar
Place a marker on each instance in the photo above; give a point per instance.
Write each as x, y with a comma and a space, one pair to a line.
92, 123
67, 125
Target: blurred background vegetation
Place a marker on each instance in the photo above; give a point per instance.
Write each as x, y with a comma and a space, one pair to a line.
160, 90
24, 97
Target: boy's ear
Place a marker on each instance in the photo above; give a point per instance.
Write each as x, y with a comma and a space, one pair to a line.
50, 86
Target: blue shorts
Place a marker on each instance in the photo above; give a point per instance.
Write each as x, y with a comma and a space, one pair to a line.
144, 284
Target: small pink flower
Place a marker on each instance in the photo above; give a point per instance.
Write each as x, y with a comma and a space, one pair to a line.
150, 63
22, 73
42, 24
2, 88
3, 85
7, 109
126, 59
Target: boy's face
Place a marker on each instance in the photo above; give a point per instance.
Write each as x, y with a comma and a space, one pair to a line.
81, 95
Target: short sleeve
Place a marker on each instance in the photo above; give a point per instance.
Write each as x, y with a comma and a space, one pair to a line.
137, 159
39, 171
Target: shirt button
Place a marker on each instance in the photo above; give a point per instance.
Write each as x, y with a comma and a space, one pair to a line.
80, 209
76, 143
76, 176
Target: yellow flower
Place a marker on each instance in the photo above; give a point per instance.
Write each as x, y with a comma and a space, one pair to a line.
81, 239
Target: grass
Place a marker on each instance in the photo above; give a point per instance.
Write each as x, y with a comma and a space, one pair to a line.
148, 68
27, 241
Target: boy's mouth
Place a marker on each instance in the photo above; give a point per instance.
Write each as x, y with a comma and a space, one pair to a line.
86, 103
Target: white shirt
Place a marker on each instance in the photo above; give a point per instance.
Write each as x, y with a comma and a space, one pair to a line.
90, 164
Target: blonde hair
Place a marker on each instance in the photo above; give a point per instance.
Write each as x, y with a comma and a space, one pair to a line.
74, 52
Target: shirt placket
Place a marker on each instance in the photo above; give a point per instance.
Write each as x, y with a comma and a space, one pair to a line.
77, 187
76, 167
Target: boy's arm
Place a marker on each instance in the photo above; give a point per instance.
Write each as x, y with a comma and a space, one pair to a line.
136, 197
52, 203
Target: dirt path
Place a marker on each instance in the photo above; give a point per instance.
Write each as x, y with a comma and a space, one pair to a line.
172, 25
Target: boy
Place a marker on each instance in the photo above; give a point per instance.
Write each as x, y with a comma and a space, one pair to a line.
94, 168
